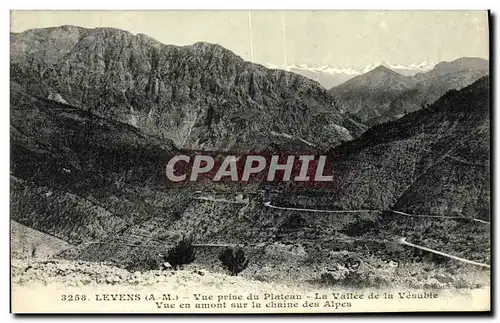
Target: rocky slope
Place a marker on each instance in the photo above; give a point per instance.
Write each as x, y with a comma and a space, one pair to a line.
432, 161
201, 96
27, 243
301, 265
69, 167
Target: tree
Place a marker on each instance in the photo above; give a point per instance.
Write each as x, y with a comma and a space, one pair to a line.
182, 253
234, 260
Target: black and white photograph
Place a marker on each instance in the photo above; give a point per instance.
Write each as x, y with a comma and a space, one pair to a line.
250, 161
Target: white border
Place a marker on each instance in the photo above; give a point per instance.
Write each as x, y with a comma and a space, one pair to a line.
256, 4
211, 5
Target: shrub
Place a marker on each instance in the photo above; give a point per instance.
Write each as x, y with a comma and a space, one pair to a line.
234, 260
143, 261
294, 222
360, 227
355, 278
182, 253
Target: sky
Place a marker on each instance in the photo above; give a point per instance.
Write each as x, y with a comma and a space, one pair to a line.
315, 38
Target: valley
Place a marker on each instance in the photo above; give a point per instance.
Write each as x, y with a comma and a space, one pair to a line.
96, 114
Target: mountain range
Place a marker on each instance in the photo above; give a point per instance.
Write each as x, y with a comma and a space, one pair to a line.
201, 96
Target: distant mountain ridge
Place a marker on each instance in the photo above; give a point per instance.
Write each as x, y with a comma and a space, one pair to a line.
382, 95
370, 94
331, 76
380, 76
460, 64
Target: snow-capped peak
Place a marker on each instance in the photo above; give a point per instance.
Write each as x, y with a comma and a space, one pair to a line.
411, 68
330, 76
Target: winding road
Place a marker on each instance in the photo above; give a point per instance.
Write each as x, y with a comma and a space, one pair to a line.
404, 242
211, 199
268, 204
440, 216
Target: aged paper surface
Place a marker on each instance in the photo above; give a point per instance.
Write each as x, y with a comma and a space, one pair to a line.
250, 161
